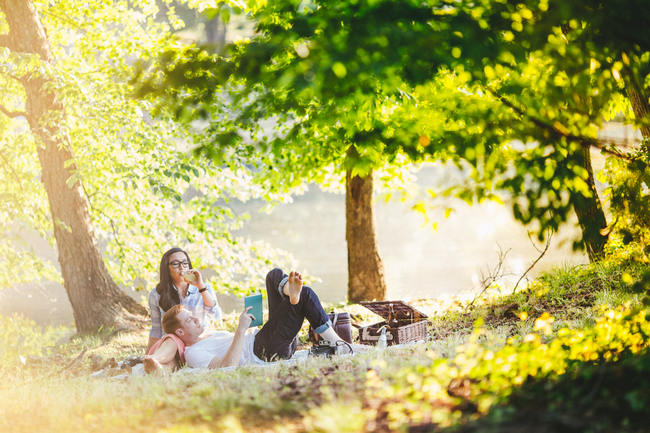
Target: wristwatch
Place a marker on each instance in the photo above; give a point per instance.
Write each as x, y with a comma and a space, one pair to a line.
203, 290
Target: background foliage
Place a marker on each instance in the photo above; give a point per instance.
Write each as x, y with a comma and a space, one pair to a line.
514, 90
146, 191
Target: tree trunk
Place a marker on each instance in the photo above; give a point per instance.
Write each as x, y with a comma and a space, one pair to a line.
215, 33
640, 106
365, 269
96, 300
590, 212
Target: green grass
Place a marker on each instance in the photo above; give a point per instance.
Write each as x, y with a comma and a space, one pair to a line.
485, 361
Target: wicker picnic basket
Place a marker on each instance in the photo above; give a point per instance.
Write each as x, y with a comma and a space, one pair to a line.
403, 323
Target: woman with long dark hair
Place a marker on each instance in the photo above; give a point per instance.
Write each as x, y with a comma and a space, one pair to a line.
180, 284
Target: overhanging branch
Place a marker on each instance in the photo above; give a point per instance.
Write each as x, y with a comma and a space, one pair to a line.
6, 72
560, 130
12, 114
65, 20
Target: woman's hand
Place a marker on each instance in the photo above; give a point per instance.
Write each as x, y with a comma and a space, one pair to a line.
194, 277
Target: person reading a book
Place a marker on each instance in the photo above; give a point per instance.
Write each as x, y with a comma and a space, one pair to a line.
290, 303
180, 284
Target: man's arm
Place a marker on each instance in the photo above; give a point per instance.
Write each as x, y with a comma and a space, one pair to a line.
151, 342
162, 361
234, 353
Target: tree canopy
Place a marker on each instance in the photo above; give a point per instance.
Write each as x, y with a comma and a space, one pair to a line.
145, 189
518, 90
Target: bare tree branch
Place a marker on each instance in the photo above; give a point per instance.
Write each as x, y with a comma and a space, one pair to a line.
71, 363
12, 114
532, 265
558, 129
539, 250
492, 275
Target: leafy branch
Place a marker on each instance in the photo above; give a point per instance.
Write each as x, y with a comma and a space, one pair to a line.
65, 20
562, 131
110, 220
13, 172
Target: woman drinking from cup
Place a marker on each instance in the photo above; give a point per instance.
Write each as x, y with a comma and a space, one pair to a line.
180, 284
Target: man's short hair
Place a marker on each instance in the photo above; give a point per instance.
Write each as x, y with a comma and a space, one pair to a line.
170, 322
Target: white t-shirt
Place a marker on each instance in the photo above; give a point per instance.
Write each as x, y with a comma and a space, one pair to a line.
203, 351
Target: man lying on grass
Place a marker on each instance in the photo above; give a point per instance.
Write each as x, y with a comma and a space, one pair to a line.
290, 303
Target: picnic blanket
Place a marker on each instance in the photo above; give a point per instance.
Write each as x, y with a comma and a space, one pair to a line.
299, 356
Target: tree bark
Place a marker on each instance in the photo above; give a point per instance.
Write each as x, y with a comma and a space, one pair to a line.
96, 300
590, 212
215, 33
365, 269
640, 107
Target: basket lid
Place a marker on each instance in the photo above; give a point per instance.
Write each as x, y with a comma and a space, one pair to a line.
391, 310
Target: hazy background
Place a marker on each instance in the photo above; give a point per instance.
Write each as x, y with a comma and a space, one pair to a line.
418, 261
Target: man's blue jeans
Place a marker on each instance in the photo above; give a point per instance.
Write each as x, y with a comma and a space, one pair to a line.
278, 337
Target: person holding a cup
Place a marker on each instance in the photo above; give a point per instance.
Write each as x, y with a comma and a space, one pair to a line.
180, 284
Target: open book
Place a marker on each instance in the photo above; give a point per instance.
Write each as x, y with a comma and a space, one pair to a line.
254, 301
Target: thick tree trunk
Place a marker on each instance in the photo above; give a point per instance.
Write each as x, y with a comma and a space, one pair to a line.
590, 212
640, 106
215, 33
365, 269
96, 300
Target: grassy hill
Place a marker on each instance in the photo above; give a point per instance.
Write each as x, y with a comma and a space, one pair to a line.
567, 353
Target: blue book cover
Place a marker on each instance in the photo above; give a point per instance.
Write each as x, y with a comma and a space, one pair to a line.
254, 301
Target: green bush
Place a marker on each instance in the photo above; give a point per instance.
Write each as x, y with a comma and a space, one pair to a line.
479, 377
22, 338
